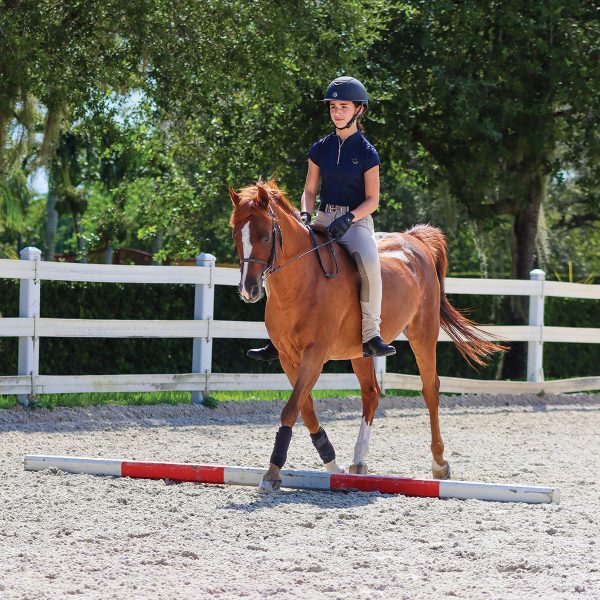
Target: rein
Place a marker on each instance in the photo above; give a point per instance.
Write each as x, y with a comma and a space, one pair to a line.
278, 236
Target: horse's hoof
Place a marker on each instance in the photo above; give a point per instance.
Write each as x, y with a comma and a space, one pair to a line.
269, 484
333, 467
440, 471
359, 469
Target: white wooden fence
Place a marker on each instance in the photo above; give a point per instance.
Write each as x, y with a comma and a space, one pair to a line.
29, 327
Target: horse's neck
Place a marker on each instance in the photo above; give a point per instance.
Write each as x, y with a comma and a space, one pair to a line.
294, 276
295, 236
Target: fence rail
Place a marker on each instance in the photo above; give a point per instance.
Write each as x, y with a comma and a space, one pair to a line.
29, 327
138, 328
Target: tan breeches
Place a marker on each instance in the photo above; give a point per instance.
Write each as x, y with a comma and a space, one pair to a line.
359, 241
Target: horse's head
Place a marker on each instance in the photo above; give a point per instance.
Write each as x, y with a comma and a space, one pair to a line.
257, 234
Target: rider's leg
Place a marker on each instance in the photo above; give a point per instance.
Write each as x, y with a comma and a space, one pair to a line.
267, 353
360, 243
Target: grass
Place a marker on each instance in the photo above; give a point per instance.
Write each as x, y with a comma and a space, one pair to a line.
150, 398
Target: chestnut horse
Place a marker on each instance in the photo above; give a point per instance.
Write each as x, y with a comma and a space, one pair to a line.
312, 318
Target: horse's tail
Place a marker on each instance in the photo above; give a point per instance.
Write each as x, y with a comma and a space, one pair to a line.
474, 344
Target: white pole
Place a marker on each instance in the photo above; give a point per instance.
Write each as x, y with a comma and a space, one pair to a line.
535, 350
204, 302
29, 307
312, 480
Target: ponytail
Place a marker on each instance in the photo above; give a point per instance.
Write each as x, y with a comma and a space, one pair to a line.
359, 125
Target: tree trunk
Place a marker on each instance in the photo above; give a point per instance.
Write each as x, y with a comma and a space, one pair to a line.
51, 220
157, 244
80, 240
525, 230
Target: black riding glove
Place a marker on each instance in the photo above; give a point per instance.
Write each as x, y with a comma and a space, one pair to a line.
338, 228
305, 217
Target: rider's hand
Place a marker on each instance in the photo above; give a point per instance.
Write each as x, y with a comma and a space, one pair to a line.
305, 217
338, 228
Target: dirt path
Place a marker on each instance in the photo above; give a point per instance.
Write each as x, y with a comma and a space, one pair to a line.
99, 537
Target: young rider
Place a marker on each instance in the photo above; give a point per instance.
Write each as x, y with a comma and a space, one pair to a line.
348, 167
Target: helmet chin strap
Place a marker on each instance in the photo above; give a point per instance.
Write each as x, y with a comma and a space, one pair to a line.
351, 121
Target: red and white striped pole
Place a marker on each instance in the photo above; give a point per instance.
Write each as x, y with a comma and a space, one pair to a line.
311, 480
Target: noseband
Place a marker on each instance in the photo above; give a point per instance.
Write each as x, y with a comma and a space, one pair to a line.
278, 237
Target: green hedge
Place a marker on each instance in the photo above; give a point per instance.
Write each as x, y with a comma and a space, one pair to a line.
78, 356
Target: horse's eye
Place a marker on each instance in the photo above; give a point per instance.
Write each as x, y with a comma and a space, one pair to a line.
267, 238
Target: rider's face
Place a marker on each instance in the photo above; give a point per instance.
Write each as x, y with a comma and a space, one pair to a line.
341, 111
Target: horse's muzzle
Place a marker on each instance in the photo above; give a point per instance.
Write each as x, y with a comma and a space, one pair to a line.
251, 292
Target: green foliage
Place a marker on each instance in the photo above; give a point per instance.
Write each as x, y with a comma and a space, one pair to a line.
485, 114
481, 93
571, 360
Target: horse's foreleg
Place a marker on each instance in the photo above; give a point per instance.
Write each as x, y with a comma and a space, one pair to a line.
369, 389
423, 347
303, 380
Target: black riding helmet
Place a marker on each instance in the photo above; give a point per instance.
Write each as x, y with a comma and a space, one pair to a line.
348, 89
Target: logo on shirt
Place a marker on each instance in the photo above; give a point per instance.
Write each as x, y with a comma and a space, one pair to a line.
355, 161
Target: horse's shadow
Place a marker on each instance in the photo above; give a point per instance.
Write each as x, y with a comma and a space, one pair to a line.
334, 500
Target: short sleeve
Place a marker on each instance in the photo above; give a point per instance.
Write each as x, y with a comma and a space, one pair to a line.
371, 158
314, 153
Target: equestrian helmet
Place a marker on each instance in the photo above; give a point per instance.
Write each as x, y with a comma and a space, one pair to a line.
349, 89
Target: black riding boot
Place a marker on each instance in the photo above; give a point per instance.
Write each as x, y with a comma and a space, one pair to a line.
377, 347
268, 353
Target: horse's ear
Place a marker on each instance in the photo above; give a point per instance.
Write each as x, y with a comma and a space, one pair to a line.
234, 197
263, 196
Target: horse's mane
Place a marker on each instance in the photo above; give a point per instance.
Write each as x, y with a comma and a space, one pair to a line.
249, 196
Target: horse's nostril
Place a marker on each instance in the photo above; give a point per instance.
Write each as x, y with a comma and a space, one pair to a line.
254, 290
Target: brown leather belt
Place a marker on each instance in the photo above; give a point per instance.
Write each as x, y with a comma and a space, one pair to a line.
335, 208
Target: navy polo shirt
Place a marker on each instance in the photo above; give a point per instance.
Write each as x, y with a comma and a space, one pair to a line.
342, 166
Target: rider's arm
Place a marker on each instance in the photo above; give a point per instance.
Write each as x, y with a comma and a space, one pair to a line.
309, 197
371, 195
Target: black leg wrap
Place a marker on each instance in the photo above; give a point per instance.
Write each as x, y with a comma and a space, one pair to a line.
282, 443
323, 445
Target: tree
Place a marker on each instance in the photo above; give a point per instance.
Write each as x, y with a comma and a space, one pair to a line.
490, 91
199, 64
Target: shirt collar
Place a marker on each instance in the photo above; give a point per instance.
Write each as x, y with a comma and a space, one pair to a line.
351, 137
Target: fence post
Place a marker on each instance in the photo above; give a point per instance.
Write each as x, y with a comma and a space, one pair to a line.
204, 302
379, 362
535, 350
29, 307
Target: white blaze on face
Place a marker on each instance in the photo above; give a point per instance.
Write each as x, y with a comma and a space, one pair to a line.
247, 252
361, 450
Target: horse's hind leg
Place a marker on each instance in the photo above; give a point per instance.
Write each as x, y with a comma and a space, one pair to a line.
319, 436
422, 335
369, 389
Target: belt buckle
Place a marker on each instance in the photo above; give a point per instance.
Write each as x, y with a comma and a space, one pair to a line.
335, 208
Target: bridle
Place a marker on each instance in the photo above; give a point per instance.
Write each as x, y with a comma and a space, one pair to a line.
277, 236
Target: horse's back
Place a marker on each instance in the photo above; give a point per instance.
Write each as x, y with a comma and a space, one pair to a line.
404, 255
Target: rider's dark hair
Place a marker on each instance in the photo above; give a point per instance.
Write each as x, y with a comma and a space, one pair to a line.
360, 126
